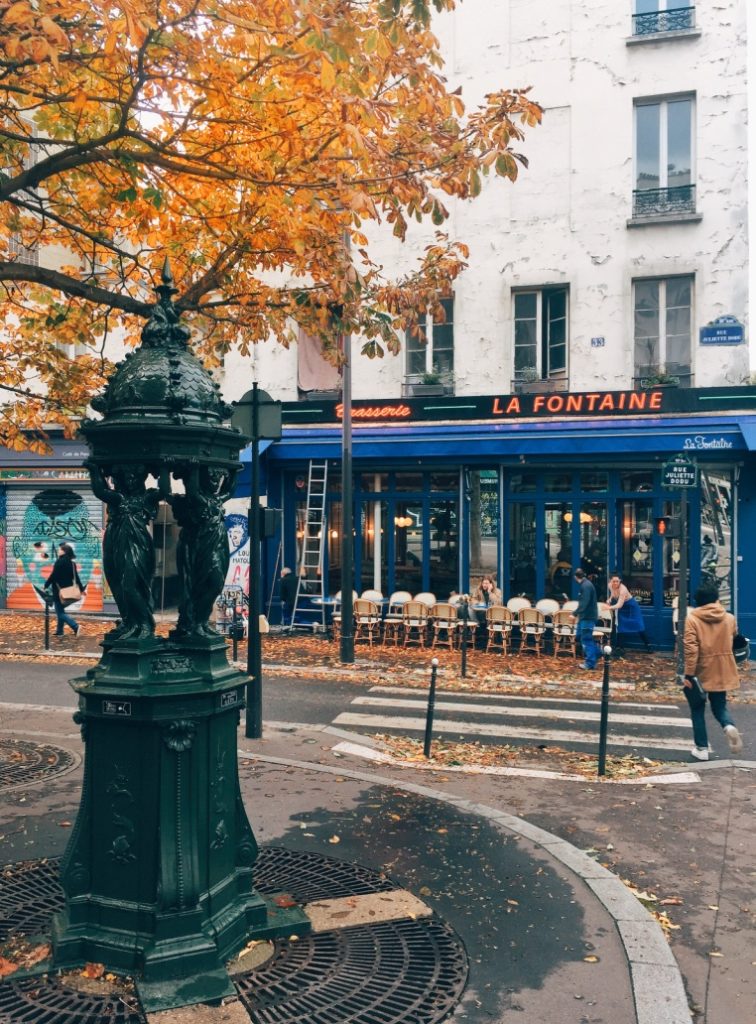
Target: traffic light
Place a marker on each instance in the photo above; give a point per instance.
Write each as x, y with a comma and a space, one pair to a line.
668, 526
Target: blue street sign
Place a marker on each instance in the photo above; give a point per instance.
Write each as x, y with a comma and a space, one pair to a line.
725, 330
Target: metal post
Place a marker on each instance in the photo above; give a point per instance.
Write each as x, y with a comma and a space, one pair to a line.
47, 623
429, 712
682, 598
604, 724
346, 651
465, 617
253, 719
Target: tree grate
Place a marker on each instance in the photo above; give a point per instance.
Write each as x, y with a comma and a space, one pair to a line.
408, 972
23, 763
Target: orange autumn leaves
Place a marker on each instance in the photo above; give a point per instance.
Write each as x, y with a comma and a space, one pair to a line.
245, 139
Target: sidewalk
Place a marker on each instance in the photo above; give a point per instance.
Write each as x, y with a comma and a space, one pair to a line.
526, 870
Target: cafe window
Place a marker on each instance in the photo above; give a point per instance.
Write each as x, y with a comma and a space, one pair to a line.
593, 545
522, 550
636, 549
558, 550
482, 489
408, 546
715, 551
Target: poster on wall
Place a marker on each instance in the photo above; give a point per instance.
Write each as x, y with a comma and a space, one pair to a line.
237, 527
38, 521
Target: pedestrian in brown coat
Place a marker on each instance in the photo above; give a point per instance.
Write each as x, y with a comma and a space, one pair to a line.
710, 668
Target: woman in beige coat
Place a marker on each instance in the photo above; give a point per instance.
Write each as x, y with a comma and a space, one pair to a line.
709, 632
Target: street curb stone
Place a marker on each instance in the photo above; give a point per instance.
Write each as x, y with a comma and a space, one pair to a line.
655, 978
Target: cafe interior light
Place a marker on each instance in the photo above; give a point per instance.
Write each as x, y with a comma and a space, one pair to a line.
403, 521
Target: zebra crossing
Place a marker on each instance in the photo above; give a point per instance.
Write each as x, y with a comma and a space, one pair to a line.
660, 731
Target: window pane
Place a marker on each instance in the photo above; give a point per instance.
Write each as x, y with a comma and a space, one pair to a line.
679, 142
678, 324
373, 482
444, 548
522, 540
646, 6
557, 358
558, 568
484, 521
593, 481
335, 526
520, 482
647, 144
408, 533
593, 554
636, 549
557, 481
409, 482
442, 356
445, 481
416, 348
373, 534
671, 557
636, 481
526, 330
716, 532
646, 324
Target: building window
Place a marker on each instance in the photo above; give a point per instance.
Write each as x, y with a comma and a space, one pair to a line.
664, 157
656, 16
663, 318
430, 352
540, 334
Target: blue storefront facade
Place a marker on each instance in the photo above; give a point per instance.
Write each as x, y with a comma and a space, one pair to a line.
526, 488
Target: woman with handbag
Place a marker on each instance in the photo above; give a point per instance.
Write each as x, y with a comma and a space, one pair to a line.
67, 588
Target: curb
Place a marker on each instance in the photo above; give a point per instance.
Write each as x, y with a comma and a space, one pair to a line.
655, 978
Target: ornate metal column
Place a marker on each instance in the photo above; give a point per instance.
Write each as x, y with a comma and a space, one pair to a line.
158, 871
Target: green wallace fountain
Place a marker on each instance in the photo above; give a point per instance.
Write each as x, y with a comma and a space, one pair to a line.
157, 876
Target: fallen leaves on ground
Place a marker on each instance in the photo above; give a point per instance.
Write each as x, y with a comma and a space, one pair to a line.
651, 901
18, 954
447, 754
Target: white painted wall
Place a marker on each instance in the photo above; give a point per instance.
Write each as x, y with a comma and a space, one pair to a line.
566, 218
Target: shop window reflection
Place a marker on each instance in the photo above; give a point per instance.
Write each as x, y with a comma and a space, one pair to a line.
593, 546
522, 539
334, 523
408, 539
444, 548
636, 548
482, 487
558, 541
716, 531
373, 539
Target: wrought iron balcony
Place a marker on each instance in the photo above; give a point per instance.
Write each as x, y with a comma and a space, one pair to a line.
656, 22
663, 202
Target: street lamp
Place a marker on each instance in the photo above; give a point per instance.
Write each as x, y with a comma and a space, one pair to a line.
157, 876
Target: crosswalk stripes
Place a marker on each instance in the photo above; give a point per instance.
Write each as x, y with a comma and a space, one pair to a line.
656, 730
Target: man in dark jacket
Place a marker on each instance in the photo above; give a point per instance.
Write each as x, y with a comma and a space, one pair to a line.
288, 595
586, 614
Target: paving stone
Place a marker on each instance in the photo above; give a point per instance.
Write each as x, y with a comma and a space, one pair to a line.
645, 944
659, 995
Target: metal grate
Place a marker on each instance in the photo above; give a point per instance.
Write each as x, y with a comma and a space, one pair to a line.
679, 19
402, 971
23, 763
664, 202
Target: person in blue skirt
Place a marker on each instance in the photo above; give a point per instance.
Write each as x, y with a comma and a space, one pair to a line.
627, 611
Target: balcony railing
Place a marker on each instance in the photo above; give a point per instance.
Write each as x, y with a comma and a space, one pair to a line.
656, 22
664, 202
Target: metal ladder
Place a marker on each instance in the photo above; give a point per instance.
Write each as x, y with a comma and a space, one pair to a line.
313, 544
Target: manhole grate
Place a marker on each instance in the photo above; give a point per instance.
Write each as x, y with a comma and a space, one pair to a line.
23, 763
408, 972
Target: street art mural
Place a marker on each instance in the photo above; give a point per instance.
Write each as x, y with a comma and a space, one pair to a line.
53, 516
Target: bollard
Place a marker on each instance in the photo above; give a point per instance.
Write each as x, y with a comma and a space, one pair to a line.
47, 622
604, 725
429, 712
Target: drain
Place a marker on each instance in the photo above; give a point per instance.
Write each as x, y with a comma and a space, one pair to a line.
23, 763
408, 972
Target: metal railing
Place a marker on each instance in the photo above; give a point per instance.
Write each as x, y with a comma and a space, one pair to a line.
660, 202
656, 22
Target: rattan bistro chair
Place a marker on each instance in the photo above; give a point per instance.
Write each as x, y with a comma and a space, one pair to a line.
392, 620
499, 622
414, 623
532, 630
444, 625
564, 634
367, 620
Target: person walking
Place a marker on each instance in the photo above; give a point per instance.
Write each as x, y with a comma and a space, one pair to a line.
288, 596
64, 574
710, 668
627, 613
585, 615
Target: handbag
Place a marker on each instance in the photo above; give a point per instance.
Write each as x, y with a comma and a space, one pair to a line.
741, 647
72, 594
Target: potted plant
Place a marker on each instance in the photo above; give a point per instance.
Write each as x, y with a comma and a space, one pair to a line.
659, 380
429, 383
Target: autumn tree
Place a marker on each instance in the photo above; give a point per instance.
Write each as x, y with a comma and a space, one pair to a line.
251, 141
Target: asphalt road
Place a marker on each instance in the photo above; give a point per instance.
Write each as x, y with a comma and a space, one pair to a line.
662, 732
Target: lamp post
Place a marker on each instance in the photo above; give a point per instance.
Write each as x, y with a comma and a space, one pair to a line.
346, 646
157, 876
